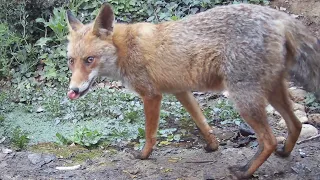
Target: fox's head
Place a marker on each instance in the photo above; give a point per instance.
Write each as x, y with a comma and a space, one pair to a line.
91, 52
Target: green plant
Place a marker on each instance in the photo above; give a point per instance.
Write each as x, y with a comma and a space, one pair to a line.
226, 112
82, 136
2, 118
19, 138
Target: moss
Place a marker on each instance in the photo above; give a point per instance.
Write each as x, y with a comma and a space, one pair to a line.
89, 154
76, 154
58, 150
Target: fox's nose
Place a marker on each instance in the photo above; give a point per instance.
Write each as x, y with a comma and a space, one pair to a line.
75, 90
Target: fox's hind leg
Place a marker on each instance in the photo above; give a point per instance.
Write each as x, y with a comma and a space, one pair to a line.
279, 99
251, 105
191, 105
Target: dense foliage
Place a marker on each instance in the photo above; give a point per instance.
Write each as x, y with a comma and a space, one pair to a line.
33, 64
32, 32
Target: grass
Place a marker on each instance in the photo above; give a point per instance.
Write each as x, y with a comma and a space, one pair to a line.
107, 116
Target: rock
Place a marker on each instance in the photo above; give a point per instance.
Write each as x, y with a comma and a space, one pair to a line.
308, 131
283, 9
280, 139
282, 123
301, 115
225, 94
134, 171
2, 156
299, 168
40, 109
298, 95
39, 159
295, 16
35, 158
6, 151
49, 158
314, 119
302, 154
297, 106
101, 85
270, 109
2, 140
245, 130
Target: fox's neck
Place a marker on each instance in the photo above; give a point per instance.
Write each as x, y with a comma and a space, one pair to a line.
124, 34
133, 37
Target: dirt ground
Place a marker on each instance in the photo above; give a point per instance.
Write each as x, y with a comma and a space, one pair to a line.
180, 162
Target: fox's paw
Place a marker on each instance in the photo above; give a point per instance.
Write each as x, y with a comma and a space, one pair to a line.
141, 155
212, 147
280, 151
239, 172
212, 144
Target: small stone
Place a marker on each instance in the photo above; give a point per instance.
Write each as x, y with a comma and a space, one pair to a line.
295, 16
314, 119
302, 116
297, 106
40, 109
298, 95
302, 154
270, 109
308, 131
101, 85
282, 123
134, 171
6, 151
280, 139
49, 158
245, 130
2, 140
2, 156
283, 9
225, 94
35, 158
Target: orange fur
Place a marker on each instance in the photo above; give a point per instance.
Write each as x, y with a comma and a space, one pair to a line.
245, 49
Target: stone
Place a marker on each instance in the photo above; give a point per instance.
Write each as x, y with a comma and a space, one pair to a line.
297, 95
314, 119
301, 115
308, 131
245, 130
6, 151
49, 158
40, 159
283, 9
35, 158
40, 109
280, 139
282, 123
297, 106
270, 109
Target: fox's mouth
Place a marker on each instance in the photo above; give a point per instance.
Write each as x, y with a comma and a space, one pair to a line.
75, 94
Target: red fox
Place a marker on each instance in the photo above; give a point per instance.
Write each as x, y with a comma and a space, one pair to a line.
248, 50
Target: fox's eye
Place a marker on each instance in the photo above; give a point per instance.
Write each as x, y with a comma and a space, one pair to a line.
71, 61
89, 60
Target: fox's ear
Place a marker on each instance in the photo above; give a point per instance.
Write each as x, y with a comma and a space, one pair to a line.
104, 21
73, 23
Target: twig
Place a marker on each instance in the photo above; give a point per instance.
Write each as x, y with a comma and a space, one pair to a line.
309, 139
68, 168
199, 161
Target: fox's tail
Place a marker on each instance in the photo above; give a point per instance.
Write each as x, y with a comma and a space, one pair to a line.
304, 50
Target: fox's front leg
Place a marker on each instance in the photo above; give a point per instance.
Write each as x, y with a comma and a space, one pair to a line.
152, 113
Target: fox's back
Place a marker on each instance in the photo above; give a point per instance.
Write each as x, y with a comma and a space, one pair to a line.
221, 43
